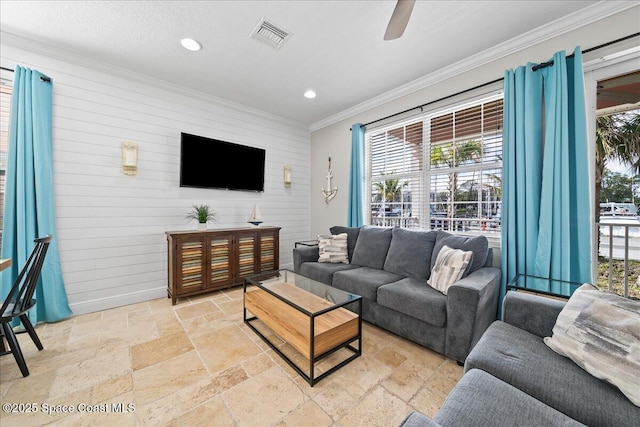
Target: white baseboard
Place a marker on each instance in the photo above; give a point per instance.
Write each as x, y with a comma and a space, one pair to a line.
117, 301
92, 306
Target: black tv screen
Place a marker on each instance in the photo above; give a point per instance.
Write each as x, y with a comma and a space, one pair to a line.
211, 163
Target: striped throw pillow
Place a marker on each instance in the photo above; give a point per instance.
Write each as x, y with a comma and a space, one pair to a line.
449, 268
333, 248
600, 332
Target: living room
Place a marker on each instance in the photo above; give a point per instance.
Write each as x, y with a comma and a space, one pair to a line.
111, 226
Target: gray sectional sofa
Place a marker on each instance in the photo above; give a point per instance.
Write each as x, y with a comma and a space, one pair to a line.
389, 268
513, 378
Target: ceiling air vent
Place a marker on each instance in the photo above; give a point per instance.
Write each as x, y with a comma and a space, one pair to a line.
269, 33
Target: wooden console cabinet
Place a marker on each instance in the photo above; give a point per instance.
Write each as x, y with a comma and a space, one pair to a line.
205, 261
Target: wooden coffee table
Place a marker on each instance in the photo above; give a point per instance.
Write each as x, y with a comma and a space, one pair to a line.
309, 316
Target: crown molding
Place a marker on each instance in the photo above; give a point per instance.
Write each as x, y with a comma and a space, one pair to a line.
59, 53
598, 11
586, 16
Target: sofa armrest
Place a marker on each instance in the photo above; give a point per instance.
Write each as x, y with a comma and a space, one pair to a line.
304, 254
472, 305
532, 313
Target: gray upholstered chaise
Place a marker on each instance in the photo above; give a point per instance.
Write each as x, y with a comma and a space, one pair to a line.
513, 378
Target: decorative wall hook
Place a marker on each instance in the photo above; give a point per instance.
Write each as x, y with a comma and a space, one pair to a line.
329, 193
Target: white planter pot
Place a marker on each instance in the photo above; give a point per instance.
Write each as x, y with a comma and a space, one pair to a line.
202, 226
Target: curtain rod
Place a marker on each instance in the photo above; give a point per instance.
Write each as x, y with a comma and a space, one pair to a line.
534, 68
43, 78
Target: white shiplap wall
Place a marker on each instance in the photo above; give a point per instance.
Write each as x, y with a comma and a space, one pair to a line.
111, 226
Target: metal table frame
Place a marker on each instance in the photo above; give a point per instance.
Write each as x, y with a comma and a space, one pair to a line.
311, 379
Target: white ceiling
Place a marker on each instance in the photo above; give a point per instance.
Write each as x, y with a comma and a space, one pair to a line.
336, 47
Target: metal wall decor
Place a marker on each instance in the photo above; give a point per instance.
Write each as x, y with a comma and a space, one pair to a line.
330, 192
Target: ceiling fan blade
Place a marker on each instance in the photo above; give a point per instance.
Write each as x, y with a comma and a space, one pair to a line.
399, 19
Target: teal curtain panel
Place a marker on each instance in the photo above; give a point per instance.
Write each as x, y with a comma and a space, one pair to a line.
355, 214
564, 240
29, 210
546, 230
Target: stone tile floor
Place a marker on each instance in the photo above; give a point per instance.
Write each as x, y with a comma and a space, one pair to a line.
196, 363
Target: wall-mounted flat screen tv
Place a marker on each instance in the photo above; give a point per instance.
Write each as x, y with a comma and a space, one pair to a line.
211, 163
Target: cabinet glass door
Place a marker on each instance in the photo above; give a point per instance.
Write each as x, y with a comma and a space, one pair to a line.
267, 252
246, 254
220, 267
190, 265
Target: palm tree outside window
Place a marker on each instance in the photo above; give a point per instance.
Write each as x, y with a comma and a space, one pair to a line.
617, 140
439, 171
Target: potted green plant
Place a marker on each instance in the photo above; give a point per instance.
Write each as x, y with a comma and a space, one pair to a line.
202, 214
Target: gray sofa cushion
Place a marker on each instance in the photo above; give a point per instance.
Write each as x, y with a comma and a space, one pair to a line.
352, 237
372, 247
524, 361
363, 281
476, 244
410, 253
415, 298
323, 272
404, 325
481, 400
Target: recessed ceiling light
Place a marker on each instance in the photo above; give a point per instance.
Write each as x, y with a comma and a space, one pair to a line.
310, 94
191, 44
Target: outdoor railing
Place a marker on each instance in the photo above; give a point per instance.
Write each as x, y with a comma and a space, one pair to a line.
620, 241
487, 226
396, 221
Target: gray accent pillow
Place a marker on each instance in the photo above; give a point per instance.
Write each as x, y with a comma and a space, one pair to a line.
352, 237
410, 253
372, 247
479, 245
600, 332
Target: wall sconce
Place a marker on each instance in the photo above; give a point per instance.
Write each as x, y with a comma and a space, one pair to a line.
287, 177
129, 158
330, 192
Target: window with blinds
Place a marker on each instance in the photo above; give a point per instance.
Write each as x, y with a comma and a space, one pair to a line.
5, 110
440, 171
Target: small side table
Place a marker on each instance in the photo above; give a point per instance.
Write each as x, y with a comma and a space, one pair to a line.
542, 285
306, 243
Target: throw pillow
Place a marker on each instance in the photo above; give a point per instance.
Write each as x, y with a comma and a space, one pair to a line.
600, 332
352, 237
333, 248
449, 268
479, 245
